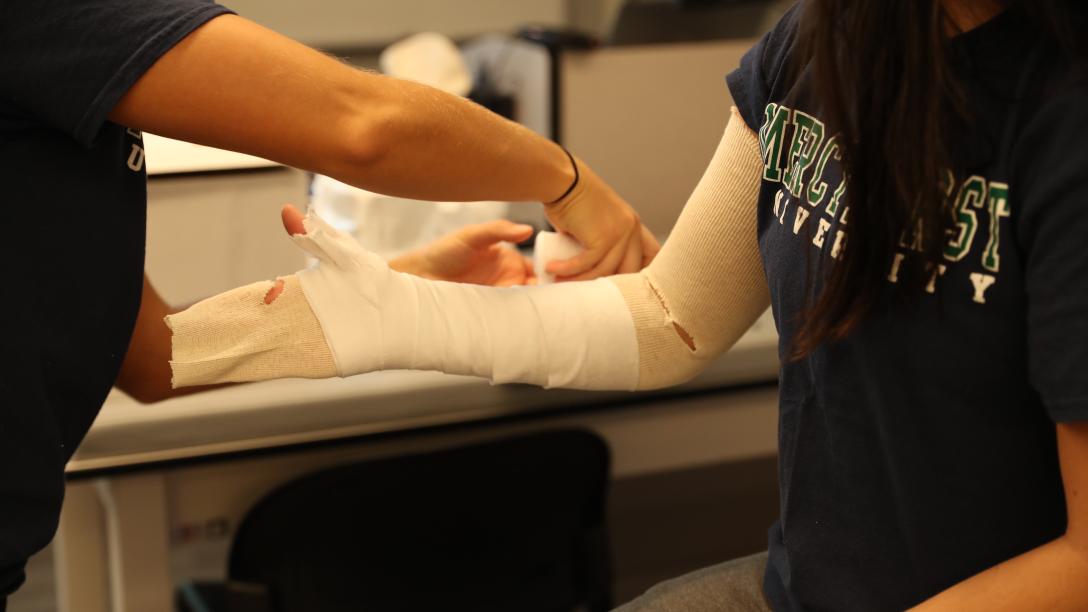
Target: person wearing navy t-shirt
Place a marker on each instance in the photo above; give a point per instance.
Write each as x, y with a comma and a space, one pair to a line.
80, 80
932, 308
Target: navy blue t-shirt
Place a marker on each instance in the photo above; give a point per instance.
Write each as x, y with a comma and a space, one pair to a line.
921, 449
74, 189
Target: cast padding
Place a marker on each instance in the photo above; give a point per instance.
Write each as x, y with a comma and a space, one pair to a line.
707, 280
236, 337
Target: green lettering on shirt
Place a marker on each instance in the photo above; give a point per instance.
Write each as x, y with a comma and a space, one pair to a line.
972, 195
817, 189
808, 136
771, 135
998, 204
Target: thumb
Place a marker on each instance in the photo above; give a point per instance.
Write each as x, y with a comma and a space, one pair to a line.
292, 220
482, 235
320, 239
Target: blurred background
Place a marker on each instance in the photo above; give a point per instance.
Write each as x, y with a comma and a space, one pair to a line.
385, 487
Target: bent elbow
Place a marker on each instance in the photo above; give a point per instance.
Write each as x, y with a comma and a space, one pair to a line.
365, 143
679, 356
680, 368
673, 379
146, 394
363, 131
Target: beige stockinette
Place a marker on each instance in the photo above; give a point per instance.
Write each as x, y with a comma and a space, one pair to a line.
708, 278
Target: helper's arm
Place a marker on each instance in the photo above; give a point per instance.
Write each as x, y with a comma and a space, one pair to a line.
353, 314
235, 85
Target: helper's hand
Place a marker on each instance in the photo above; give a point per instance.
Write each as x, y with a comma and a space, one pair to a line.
615, 240
474, 254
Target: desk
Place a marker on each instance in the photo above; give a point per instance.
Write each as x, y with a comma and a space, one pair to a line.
155, 491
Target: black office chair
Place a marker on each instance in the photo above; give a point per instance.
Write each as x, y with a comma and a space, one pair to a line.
515, 525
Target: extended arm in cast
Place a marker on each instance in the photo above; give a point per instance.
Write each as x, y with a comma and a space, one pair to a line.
352, 313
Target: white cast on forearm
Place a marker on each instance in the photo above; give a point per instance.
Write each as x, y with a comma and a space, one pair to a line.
376, 318
638, 331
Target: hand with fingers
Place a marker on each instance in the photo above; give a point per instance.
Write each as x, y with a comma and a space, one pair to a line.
615, 240
474, 254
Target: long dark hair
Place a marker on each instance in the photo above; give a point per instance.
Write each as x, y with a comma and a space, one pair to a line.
881, 73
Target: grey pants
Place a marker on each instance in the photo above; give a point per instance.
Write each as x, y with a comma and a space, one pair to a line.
734, 586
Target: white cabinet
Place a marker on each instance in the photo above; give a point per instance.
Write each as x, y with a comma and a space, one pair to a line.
213, 219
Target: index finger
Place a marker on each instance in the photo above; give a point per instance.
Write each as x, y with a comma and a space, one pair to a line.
292, 220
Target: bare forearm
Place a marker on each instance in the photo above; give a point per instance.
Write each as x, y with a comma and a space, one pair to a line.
465, 151
1051, 577
236, 85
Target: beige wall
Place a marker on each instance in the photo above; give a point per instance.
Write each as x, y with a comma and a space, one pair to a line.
344, 24
647, 118
353, 24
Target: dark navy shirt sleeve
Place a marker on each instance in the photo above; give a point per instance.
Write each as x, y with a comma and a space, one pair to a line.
1051, 194
78, 185
66, 63
762, 67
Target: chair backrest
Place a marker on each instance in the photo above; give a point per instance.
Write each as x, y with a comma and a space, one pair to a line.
509, 525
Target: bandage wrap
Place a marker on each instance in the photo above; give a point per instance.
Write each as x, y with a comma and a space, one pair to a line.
638, 331
378, 319
236, 337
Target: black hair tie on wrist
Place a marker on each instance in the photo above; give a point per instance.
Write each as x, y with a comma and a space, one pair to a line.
573, 184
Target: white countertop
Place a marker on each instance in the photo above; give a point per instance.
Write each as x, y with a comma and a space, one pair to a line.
168, 156
294, 411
